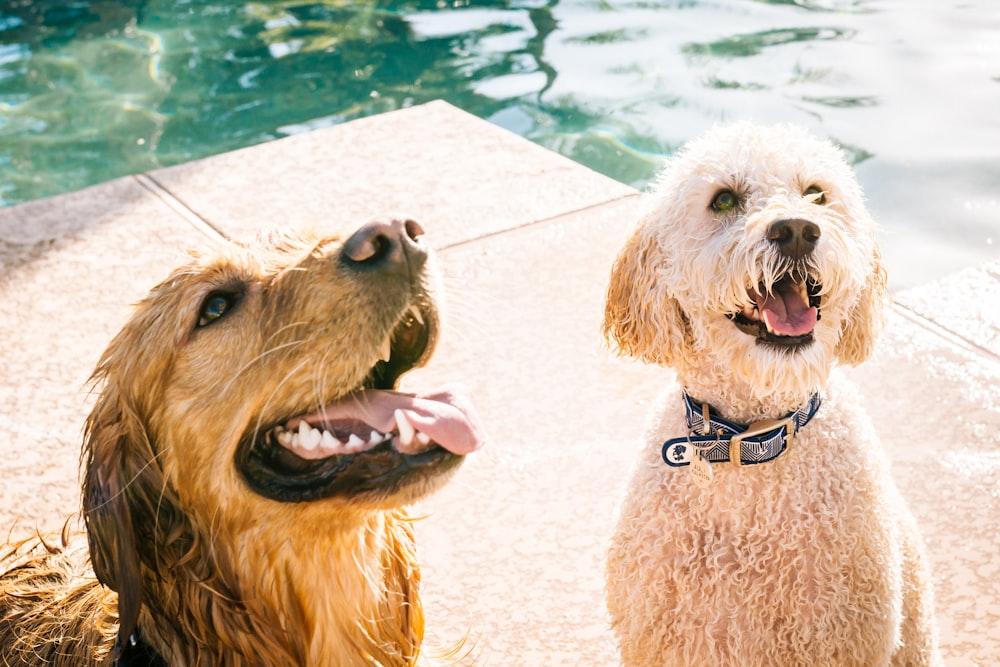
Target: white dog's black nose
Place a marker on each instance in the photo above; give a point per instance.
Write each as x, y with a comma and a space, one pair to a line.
385, 246
794, 238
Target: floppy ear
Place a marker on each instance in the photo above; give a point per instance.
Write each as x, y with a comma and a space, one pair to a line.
866, 319
131, 515
108, 475
640, 315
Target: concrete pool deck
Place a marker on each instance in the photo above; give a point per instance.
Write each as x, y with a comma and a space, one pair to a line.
511, 549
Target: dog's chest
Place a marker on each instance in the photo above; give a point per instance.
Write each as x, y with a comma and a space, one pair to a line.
781, 532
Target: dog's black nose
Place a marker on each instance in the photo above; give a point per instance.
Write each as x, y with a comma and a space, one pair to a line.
386, 246
794, 238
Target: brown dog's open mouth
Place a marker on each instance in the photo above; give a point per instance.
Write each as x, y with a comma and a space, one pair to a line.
371, 441
784, 316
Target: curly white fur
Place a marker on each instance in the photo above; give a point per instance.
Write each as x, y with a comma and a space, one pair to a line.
812, 559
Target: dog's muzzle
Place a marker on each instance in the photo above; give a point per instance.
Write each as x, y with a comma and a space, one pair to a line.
785, 313
372, 441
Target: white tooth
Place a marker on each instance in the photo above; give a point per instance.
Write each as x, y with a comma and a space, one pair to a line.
767, 321
312, 441
308, 436
285, 438
376, 438
423, 438
294, 442
304, 438
355, 443
406, 431
386, 350
330, 442
415, 312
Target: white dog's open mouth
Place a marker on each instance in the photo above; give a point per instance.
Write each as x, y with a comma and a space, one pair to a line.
375, 439
785, 315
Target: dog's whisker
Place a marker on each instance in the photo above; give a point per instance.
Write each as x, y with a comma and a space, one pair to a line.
125, 485
281, 330
292, 372
466, 313
321, 380
255, 360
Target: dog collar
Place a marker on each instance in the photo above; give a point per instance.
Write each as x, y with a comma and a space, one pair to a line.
717, 440
136, 653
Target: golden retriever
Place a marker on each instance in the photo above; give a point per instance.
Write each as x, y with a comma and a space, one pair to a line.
245, 467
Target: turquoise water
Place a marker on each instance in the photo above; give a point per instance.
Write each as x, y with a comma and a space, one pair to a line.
90, 91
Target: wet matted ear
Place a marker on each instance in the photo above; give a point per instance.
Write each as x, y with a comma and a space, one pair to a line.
107, 514
133, 518
865, 321
640, 315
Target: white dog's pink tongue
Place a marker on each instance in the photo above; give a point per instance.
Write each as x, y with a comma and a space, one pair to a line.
447, 416
786, 311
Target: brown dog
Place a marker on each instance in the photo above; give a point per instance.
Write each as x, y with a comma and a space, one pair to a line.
245, 466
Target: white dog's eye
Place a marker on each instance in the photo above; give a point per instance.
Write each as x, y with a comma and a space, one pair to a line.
215, 306
815, 190
725, 201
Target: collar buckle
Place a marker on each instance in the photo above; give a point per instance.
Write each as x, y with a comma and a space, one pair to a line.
759, 428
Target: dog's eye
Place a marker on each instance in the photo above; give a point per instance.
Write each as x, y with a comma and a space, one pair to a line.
215, 306
813, 190
725, 201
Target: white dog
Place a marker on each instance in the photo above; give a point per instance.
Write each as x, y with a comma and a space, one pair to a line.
761, 526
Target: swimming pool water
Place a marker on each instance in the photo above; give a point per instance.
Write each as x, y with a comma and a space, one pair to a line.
90, 91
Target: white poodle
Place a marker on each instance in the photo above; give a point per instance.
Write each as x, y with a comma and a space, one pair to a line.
773, 535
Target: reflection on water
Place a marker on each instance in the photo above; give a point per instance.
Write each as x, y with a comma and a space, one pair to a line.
742, 46
93, 90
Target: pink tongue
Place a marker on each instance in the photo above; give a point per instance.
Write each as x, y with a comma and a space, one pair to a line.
446, 415
785, 311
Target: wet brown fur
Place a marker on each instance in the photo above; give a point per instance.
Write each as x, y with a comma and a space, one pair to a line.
182, 551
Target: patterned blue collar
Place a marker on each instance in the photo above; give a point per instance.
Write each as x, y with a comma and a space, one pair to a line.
723, 440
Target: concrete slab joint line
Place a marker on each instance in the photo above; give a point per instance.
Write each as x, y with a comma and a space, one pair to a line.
532, 223
944, 332
189, 215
